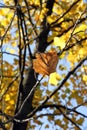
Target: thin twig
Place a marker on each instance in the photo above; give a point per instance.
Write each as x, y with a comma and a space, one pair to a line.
74, 27
73, 122
65, 12
9, 26
10, 84
8, 53
28, 96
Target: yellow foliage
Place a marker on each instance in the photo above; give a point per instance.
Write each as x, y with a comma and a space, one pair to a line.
12, 102
4, 22
45, 83
67, 84
7, 97
14, 44
80, 121
43, 13
72, 58
10, 15
5, 17
83, 52
3, 11
12, 51
77, 52
54, 78
85, 78
59, 41
81, 27
35, 2
6, 13
57, 9
45, 62
51, 18
8, 2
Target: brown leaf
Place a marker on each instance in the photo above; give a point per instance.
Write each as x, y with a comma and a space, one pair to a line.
45, 63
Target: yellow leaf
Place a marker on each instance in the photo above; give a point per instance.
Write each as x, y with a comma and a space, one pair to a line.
43, 13
12, 102
56, 9
85, 78
3, 11
67, 84
9, 15
81, 27
7, 97
73, 91
37, 2
80, 121
12, 51
83, 52
45, 83
7, 108
59, 41
4, 23
51, 19
14, 44
54, 77
9, 2
72, 58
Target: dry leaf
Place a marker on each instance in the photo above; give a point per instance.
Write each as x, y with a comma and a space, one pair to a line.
45, 63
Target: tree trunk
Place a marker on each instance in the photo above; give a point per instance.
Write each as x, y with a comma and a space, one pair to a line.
29, 80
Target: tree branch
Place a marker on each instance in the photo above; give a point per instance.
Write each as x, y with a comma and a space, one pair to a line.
58, 88
74, 3
73, 122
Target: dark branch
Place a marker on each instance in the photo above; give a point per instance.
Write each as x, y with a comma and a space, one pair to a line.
58, 88
73, 122
66, 11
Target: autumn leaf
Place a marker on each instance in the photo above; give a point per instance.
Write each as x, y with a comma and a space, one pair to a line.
45, 63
